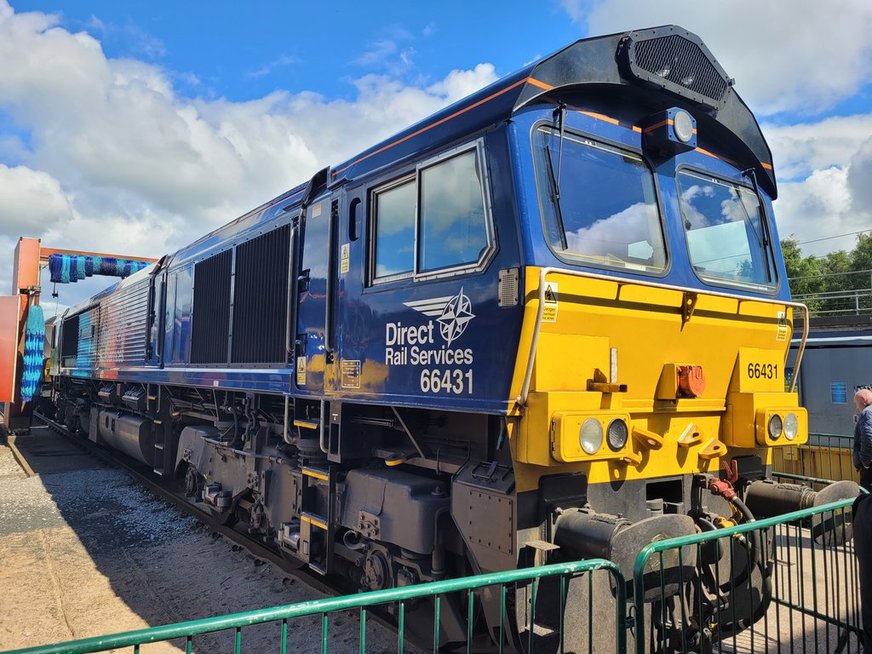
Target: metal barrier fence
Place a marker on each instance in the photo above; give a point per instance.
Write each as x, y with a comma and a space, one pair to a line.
782, 584
823, 459
503, 583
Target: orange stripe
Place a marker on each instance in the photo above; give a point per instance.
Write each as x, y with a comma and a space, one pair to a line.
714, 156
541, 85
545, 87
444, 120
607, 119
658, 125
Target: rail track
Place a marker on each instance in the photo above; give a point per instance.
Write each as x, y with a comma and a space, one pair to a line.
257, 549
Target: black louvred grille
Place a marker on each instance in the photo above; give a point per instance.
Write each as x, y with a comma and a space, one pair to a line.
70, 337
261, 298
678, 63
211, 319
683, 62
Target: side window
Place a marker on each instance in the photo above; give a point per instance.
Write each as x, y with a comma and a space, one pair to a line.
453, 223
434, 221
394, 230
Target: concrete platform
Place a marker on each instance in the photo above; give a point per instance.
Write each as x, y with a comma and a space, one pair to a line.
85, 551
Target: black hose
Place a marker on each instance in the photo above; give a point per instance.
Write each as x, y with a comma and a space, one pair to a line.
755, 542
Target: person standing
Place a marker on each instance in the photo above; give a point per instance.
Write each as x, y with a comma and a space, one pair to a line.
863, 437
863, 510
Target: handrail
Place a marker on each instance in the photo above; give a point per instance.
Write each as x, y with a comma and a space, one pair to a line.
544, 272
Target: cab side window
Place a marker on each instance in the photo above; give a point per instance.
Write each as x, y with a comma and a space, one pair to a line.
453, 223
394, 246
433, 223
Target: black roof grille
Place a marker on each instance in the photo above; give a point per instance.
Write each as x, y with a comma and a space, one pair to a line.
677, 62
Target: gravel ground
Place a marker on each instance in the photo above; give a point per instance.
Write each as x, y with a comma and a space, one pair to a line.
89, 552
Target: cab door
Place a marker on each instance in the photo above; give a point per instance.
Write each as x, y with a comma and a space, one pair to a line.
313, 351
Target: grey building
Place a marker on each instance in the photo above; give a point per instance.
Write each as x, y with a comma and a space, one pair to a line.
837, 359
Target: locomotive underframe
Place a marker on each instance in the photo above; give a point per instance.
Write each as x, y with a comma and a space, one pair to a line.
434, 495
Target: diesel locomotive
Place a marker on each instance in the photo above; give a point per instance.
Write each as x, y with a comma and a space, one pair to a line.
551, 313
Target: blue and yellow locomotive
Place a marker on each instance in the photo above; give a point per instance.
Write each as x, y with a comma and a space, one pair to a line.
550, 312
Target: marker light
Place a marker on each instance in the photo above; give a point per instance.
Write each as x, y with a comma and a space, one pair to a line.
791, 426
590, 436
775, 426
617, 434
682, 125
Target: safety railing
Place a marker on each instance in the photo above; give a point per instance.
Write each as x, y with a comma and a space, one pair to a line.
781, 584
504, 588
823, 459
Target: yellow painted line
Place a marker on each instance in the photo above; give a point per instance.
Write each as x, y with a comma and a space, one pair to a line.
306, 424
309, 472
312, 520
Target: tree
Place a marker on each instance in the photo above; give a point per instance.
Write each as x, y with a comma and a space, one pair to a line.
828, 284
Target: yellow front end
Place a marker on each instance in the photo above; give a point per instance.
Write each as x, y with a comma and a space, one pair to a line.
675, 380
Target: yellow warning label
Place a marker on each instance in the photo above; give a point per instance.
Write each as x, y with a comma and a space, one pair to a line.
782, 330
549, 311
345, 259
301, 371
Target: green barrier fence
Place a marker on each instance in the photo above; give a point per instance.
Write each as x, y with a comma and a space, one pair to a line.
782, 584
823, 459
397, 598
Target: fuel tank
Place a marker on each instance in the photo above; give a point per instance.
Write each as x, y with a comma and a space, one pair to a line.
127, 433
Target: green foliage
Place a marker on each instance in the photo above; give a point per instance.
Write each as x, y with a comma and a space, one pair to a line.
829, 285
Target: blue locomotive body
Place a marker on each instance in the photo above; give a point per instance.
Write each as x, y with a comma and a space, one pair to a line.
424, 359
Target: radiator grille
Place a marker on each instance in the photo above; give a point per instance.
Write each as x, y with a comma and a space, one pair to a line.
261, 298
123, 326
680, 65
211, 320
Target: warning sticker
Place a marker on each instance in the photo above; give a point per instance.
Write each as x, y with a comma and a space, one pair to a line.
344, 258
350, 373
301, 371
549, 312
782, 330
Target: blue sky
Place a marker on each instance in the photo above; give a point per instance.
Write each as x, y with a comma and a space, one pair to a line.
135, 127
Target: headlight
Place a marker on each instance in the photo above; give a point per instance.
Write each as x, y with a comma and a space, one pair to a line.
682, 125
590, 436
791, 426
775, 426
617, 434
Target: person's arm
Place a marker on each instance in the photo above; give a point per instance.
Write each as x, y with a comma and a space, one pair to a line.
864, 426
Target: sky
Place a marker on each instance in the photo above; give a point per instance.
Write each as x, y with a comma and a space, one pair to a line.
135, 127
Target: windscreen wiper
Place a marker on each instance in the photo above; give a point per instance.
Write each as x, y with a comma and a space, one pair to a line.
554, 177
762, 238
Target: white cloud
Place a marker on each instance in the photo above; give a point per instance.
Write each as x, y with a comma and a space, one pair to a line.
860, 178
32, 201
117, 160
824, 190
802, 55
800, 149
821, 206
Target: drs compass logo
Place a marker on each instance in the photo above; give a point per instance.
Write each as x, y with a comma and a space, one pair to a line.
455, 317
444, 369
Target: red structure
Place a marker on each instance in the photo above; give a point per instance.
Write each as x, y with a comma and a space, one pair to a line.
30, 256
